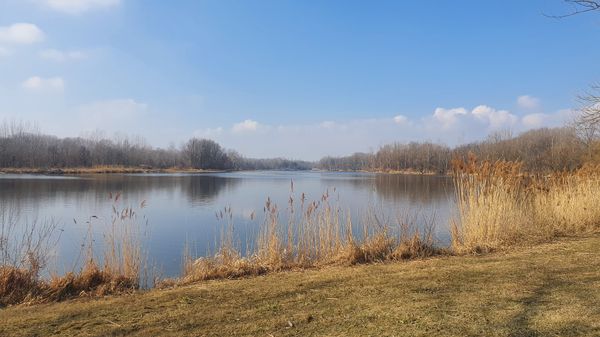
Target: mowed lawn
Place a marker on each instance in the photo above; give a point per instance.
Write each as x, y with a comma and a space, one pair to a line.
546, 290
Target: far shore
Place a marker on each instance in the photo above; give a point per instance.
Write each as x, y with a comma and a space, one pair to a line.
145, 170
103, 170
398, 172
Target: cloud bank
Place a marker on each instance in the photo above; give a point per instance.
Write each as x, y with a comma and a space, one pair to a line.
452, 126
21, 33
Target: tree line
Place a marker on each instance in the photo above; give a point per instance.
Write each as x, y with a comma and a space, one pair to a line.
24, 146
540, 150
544, 149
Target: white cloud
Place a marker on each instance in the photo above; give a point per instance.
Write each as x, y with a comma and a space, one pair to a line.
448, 117
495, 119
400, 119
538, 120
528, 102
61, 56
36, 83
21, 33
79, 6
246, 126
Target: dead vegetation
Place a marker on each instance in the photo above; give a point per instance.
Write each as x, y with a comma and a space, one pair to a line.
26, 251
500, 205
317, 233
545, 290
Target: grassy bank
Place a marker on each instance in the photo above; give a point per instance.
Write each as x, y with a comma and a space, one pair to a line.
100, 170
549, 289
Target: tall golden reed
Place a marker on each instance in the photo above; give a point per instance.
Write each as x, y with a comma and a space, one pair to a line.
316, 233
499, 204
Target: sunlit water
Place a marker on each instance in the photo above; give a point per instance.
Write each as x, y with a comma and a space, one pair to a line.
181, 207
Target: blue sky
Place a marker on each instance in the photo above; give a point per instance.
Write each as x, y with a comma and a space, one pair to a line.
298, 79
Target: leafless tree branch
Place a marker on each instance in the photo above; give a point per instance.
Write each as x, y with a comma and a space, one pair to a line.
578, 7
587, 121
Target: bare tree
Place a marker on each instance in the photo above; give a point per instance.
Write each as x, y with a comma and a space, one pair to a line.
578, 7
587, 120
590, 106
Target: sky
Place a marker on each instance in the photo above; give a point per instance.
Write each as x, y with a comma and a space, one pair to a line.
296, 79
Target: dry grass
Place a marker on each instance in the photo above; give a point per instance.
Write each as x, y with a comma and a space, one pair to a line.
547, 290
500, 205
570, 202
122, 263
316, 234
18, 285
25, 251
90, 281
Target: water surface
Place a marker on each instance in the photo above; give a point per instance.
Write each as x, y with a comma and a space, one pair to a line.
182, 207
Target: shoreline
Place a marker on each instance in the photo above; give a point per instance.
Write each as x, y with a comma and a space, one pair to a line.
103, 170
145, 170
449, 294
392, 172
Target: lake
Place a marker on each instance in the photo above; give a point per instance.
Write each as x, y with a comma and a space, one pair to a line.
180, 208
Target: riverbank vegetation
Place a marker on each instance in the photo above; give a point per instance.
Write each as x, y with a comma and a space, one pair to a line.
26, 251
500, 204
546, 290
316, 234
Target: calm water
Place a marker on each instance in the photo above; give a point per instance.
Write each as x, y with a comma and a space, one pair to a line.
182, 207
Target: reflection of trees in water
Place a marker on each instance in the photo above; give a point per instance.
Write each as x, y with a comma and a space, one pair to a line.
34, 193
421, 189
415, 188
205, 188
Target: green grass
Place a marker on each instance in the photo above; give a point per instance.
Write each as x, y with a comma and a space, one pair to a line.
544, 290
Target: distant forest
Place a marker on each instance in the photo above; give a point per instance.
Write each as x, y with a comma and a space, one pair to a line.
23, 146
540, 150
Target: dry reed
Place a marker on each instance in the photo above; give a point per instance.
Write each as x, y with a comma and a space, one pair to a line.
317, 233
25, 251
499, 204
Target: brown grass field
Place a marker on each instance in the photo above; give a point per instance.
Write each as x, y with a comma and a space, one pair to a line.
551, 289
